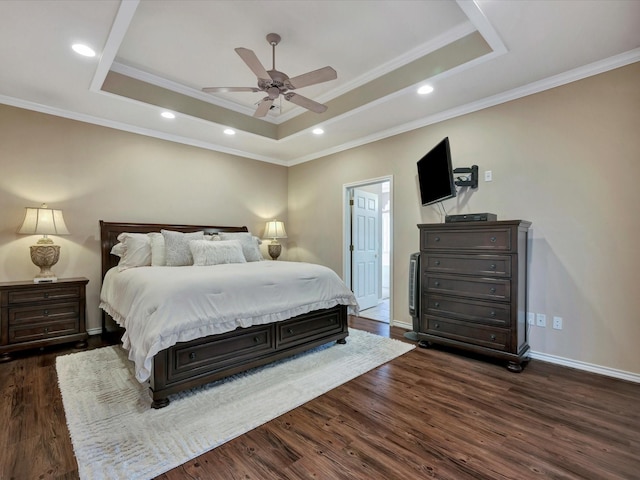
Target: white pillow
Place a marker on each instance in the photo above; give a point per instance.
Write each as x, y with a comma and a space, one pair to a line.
137, 250
177, 249
118, 249
206, 252
158, 252
250, 247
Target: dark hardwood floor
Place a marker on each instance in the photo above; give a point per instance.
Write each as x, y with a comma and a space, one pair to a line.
427, 414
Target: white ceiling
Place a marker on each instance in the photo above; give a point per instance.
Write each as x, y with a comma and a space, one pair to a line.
182, 46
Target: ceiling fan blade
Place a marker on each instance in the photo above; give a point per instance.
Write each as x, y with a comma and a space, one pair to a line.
264, 107
311, 78
230, 89
305, 102
253, 63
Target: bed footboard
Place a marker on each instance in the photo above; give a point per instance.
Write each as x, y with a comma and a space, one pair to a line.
204, 360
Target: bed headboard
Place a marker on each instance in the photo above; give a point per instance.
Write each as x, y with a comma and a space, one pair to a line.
109, 232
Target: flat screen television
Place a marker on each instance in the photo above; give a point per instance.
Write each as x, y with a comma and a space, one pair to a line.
435, 174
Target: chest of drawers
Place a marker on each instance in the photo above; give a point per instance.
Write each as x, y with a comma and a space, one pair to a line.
38, 315
473, 287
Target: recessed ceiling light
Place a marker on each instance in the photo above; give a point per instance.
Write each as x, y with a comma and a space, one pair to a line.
83, 50
318, 131
423, 90
229, 131
168, 115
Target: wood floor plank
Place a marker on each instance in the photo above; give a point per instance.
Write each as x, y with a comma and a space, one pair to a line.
431, 413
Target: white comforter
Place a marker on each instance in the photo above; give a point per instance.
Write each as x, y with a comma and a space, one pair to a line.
161, 306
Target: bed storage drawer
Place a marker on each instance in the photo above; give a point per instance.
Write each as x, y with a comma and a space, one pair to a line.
292, 332
220, 351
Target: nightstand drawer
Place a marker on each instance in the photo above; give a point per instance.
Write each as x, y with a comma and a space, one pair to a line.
41, 294
43, 313
41, 331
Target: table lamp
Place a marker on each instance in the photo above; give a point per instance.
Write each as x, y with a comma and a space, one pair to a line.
275, 230
44, 221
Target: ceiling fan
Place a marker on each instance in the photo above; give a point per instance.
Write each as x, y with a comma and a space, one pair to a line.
274, 83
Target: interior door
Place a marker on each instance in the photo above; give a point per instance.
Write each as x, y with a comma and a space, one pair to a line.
365, 240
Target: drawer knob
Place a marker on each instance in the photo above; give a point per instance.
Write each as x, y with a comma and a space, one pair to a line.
192, 356
493, 239
437, 239
437, 262
437, 325
46, 329
46, 295
493, 338
493, 266
437, 284
46, 312
289, 330
437, 304
492, 289
256, 339
492, 314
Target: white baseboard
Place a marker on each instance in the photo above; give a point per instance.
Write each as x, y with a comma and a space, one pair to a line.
566, 362
95, 331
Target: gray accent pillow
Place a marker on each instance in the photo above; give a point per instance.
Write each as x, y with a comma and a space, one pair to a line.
207, 253
177, 251
249, 244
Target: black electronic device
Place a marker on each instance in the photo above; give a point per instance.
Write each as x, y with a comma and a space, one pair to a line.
435, 174
471, 217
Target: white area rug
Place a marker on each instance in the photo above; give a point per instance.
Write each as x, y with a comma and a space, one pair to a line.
117, 435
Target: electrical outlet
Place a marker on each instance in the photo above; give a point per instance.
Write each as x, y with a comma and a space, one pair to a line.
531, 318
488, 176
557, 323
541, 320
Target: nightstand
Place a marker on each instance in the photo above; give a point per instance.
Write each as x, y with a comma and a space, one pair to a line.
35, 315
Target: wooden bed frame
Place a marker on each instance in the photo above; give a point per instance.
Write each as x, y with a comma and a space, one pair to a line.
201, 361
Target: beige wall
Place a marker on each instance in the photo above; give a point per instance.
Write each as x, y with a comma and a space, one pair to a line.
567, 159
95, 173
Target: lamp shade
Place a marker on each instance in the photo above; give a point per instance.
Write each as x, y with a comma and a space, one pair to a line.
43, 221
275, 229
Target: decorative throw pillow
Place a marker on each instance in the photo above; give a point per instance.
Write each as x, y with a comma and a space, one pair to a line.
158, 252
137, 250
177, 251
206, 252
118, 249
250, 247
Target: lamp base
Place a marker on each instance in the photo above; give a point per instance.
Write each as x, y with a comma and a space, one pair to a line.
275, 249
45, 279
45, 257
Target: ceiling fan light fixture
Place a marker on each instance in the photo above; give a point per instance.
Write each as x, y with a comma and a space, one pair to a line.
425, 89
83, 50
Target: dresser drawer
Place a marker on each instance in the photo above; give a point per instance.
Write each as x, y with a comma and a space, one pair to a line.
482, 288
43, 294
224, 350
483, 265
40, 331
484, 336
495, 314
47, 312
292, 332
490, 239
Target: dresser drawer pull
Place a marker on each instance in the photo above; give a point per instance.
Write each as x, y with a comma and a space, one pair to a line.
492, 289
256, 339
437, 262
493, 239
289, 330
437, 304
493, 266
46, 329
437, 325
493, 338
492, 313
437, 239
437, 284
46, 313
192, 356
46, 295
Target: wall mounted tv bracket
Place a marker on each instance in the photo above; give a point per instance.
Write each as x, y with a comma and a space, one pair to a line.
470, 180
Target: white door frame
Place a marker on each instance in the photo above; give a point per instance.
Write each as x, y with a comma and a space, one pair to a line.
346, 232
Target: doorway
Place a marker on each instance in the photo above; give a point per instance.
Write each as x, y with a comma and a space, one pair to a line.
367, 245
